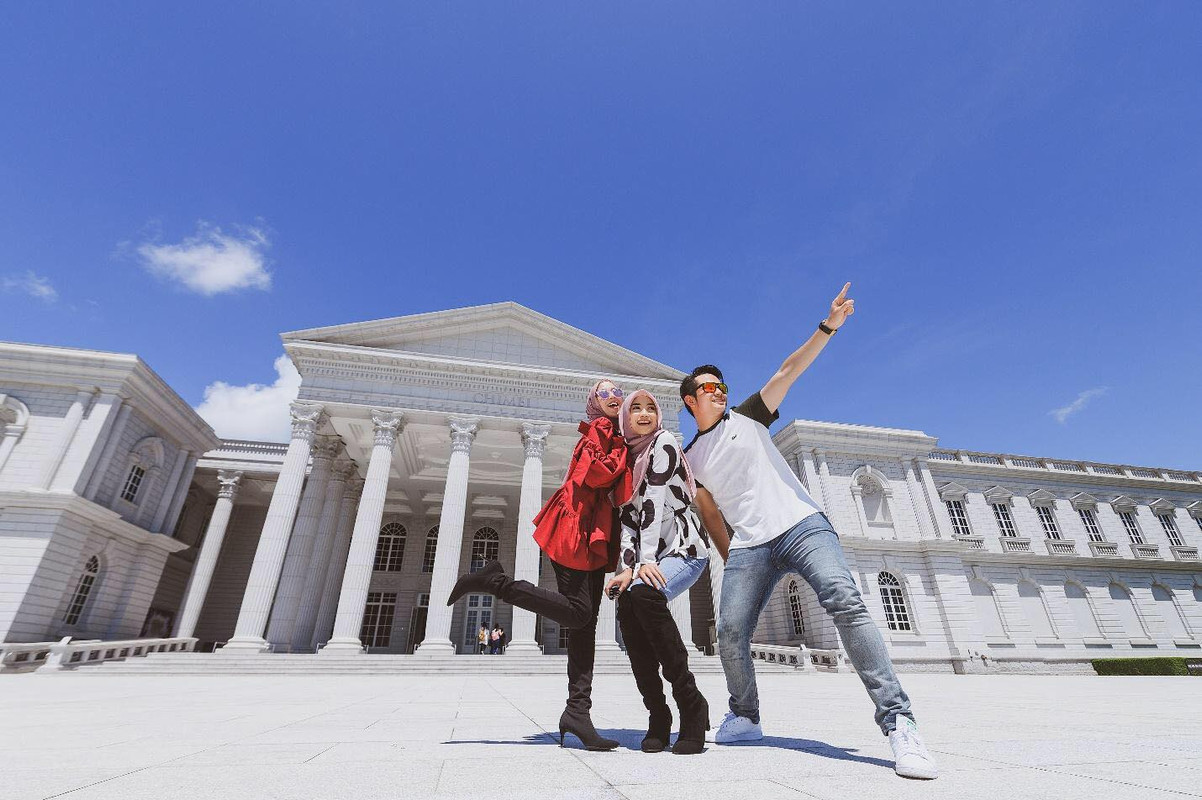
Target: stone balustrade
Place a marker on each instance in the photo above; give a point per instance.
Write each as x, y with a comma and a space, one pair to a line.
1145, 550
68, 653
1104, 549
1061, 547
1015, 544
1182, 553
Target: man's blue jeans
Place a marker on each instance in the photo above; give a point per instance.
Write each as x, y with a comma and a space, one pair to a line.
810, 548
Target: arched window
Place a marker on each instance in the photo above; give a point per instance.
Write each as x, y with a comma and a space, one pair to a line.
987, 611
1030, 597
897, 616
14, 417
1078, 603
486, 547
87, 580
431, 550
390, 548
1167, 605
144, 463
133, 483
1124, 604
795, 610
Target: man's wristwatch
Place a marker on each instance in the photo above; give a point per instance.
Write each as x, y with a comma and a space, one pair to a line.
828, 330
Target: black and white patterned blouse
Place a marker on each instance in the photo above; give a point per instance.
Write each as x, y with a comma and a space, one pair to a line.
658, 521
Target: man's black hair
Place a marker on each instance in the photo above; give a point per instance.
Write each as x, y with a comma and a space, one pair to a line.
688, 386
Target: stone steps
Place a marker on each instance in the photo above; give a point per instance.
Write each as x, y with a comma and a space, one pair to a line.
607, 663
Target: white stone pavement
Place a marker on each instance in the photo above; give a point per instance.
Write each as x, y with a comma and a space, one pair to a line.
87, 737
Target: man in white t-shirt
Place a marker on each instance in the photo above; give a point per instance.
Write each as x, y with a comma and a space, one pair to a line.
744, 481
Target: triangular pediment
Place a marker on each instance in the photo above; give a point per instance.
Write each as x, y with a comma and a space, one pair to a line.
952, 491
501, 333
998, 494
1083, 500
1041, 496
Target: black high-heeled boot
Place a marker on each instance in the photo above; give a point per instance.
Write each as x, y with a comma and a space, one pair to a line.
489, 579
646, 677
580, 725
663, 635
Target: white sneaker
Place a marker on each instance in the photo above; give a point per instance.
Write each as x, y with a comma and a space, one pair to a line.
910, 756
736, 729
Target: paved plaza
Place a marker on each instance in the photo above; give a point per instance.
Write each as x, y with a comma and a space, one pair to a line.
91, 736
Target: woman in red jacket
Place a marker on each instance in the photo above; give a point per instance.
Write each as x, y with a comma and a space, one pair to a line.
578, 530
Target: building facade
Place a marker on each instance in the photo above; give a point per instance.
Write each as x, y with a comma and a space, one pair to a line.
422, 447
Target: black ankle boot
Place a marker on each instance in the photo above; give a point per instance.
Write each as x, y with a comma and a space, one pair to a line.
490, 579
659, 731
580, 725
694, 722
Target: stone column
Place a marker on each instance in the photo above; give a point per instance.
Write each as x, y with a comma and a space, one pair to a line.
607, 622
319, 563
824, 479
273, 542
362, 554
210, 549
938, 510
450, 539
324, 627
300, 544
525, 567
170, 489
109, 450
918, 501
66, 435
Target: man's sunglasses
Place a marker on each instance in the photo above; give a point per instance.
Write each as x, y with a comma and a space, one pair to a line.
709, 387
605, 394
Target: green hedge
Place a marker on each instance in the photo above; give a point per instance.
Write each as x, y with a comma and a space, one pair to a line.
1141, 666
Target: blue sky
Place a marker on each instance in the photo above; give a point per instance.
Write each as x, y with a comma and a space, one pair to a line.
1015, 192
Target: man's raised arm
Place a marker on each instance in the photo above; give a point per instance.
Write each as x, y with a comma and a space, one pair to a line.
774, 391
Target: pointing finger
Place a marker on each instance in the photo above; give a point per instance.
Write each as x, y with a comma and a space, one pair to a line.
843, 292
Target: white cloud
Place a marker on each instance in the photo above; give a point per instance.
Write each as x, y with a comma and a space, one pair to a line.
254, 411
31, 284
1062, 414
212, 262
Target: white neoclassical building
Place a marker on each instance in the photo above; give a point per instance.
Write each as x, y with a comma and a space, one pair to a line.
422, 446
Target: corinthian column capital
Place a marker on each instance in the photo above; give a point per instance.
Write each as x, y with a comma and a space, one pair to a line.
325, 447
534, 438
354, 488
227, 481
305, 419
387, 425
463, 431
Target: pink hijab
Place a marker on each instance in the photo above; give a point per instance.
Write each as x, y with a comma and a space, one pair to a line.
639, 446
592, 408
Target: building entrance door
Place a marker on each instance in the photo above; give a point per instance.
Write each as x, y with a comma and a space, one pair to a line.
417, 623
479, 612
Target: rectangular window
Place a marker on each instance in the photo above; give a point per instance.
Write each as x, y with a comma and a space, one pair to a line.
133, 482
955, 510
377, 619
1048, 520
1170, 529
1090, 521
1132, 528
430, 553
563, 638
1005, 522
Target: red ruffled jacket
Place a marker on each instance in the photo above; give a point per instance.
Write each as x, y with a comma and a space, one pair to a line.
578, 527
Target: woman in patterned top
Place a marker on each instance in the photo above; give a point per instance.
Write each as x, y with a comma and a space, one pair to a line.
664, 551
